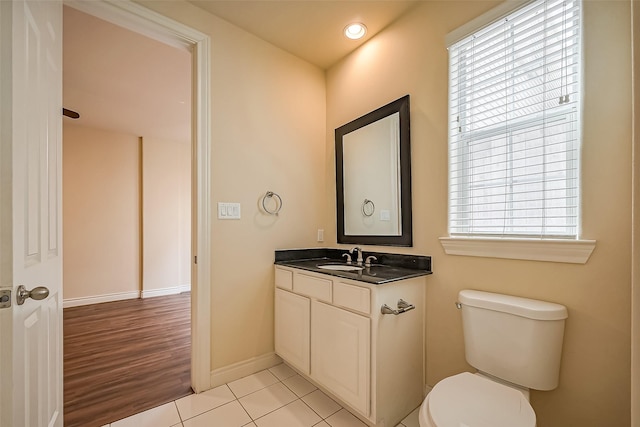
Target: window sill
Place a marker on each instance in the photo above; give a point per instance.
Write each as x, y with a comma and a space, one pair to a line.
569, 251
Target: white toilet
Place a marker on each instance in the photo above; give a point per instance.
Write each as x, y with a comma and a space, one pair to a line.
516, 344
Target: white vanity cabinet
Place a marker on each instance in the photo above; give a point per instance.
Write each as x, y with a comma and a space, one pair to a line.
292, 316
332, 330
341, 353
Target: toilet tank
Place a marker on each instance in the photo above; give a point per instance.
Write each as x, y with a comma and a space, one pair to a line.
514, 339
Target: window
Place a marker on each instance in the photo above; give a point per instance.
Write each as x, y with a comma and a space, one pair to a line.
514, 127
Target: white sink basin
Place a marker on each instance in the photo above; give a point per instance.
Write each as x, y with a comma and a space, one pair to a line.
340, 267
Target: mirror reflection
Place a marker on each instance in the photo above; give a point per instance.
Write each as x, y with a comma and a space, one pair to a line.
373, 177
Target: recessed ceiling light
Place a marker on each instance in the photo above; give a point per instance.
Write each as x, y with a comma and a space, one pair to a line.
355, 31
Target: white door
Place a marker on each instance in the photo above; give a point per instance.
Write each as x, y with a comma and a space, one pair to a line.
341, 354
30, 212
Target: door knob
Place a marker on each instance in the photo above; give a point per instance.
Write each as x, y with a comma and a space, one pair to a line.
36, 293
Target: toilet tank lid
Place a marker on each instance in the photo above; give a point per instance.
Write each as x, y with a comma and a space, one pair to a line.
524, 307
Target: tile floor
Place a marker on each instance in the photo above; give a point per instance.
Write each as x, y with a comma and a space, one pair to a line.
276, 397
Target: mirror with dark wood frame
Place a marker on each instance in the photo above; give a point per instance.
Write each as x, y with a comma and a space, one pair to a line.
373, 177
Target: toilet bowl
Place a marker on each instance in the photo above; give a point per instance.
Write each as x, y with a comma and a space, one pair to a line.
472, 400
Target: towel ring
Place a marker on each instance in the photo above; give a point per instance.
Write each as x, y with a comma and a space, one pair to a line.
278, 199
368, 207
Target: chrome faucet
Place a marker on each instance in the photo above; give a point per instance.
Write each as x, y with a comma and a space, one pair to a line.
356, 248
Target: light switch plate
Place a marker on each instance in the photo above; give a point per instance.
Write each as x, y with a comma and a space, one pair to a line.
228, 210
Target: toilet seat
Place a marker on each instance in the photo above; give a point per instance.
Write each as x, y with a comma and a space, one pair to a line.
474, 401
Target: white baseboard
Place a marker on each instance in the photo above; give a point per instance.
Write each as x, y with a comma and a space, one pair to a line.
74, 302
242, 369
96, 299
149, 293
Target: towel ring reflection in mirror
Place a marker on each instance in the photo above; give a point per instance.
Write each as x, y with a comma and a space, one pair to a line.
368, 207
278, 203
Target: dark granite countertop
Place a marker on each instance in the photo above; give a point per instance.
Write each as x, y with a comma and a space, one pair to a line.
387, 268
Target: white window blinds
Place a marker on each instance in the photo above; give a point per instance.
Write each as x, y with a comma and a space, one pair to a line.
514, 136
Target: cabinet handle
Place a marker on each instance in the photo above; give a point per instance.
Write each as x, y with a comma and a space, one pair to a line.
403, 307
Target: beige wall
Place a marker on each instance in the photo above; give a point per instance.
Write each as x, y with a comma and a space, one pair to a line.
166, 216
119, 189
268, 126
410, 57
101, 213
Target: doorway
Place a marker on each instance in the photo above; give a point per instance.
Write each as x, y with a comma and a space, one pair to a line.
139, 19
126, 221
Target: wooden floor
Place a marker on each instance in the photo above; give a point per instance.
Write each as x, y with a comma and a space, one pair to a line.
124, 357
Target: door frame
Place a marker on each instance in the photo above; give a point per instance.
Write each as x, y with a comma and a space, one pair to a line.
137, 18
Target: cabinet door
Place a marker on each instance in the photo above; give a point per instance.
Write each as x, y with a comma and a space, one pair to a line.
292, 327
340, 354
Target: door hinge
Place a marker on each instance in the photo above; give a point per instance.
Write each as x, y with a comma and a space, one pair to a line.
195, 259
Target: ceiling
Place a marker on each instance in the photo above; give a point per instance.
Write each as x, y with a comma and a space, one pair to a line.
122, 81
309, 29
